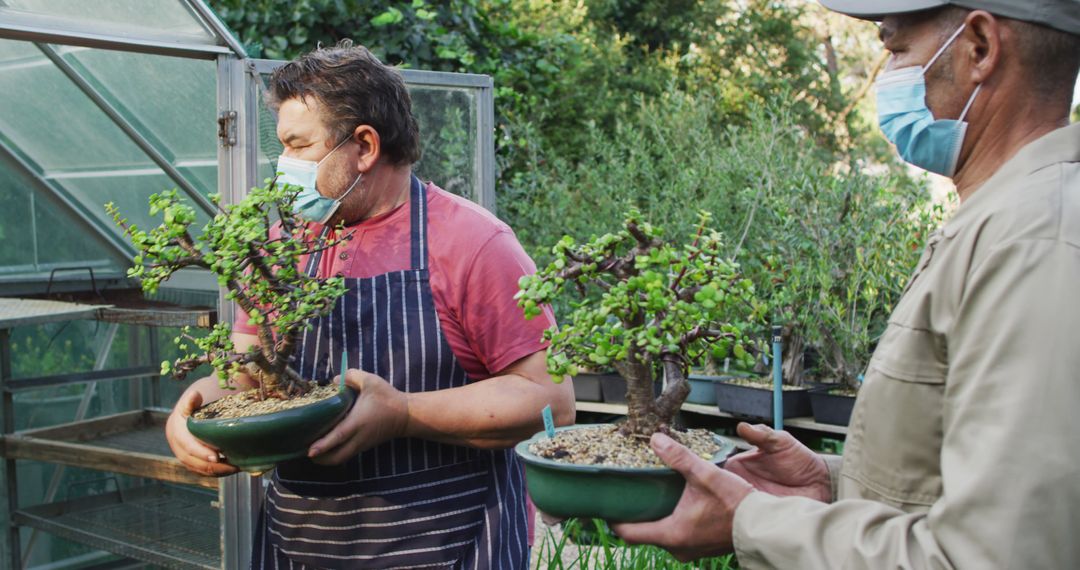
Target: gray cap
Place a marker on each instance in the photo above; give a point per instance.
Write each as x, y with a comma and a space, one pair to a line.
1063, 15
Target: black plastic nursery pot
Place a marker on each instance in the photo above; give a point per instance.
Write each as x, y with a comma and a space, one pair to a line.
613, 388
754, 402
830, 408
702, 389
587, 387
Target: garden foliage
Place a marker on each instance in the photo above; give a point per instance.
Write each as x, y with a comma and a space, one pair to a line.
750, 110
827, 244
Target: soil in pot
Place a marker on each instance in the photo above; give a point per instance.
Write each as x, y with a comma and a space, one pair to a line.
603, 445
246, 404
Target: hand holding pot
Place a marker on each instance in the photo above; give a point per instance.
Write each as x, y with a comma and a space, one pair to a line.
701, 524
193, 453
381, 413
780, 465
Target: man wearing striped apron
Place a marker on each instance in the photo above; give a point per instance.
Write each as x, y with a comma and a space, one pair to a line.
420, 473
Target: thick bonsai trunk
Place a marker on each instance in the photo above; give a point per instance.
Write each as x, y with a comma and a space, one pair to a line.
647, 413
278, 382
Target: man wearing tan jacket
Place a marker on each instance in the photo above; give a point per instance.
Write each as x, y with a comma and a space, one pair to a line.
964, 446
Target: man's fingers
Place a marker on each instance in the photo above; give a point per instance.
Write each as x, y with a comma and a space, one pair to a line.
190, 404
355, 378
764, 437
643, 533
332, 439
693, 468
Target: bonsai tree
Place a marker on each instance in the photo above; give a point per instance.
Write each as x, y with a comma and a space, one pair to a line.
259, 269
648, 308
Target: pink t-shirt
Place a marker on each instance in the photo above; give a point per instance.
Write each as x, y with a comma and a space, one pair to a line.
474, 263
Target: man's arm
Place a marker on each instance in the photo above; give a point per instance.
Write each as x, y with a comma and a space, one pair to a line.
493, 413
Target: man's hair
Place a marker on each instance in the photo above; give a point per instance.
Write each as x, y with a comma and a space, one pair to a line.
1050, 57
356, 89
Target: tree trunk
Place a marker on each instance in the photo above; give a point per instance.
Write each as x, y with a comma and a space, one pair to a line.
283, 384
794, 346
642, 417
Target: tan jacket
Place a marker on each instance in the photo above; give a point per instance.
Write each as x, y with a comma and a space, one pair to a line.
964, 446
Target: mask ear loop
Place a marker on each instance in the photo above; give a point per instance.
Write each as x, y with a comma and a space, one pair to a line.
942, 49
343, 141
355, 182
969, 103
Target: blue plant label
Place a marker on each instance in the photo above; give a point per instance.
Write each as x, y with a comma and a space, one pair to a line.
549, 422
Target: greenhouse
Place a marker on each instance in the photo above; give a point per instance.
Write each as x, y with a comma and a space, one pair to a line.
570, 285
112, 102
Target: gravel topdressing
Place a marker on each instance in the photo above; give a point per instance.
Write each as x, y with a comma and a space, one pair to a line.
603, 445
244, 404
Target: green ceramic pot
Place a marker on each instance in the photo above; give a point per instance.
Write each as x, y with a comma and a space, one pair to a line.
625, 494
256, 443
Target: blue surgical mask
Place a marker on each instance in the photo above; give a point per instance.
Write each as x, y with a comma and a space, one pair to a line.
931, 144
309, 204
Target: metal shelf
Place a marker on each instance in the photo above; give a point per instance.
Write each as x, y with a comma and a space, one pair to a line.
159, 524
124, 309
131, 443
806, 423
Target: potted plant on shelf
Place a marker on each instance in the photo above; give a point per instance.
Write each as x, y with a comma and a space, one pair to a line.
749, 393
259, 268
849, 275
648, 309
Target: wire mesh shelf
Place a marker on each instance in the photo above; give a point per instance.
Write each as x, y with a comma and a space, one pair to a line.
167, 525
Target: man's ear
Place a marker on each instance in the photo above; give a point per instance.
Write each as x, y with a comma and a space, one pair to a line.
369, 147
982, 48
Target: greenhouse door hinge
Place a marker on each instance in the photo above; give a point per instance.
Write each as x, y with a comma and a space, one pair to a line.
226, 131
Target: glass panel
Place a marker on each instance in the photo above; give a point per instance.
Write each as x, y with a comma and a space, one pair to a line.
447, 119
171, 103
129, 192
54, 123
15, 212
169, 100
61, 242
36, 231
122, 17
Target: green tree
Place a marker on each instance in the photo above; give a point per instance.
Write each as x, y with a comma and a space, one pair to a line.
259, 270
650, 308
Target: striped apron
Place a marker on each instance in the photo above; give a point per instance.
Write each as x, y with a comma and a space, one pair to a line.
408, 503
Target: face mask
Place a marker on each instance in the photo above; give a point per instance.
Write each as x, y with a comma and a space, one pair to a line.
310, 205
931, 144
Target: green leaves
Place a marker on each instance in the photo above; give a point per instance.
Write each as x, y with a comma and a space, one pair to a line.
391, 16
258, 268
642, 299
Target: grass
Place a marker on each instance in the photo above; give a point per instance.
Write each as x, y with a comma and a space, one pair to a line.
588, 545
